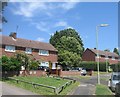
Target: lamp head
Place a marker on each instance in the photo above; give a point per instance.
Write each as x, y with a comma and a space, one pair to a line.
104, 25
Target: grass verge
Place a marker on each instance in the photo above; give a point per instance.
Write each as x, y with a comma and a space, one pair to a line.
42, 80
102, 90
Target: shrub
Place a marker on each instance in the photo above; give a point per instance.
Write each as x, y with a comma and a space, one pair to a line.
115, 67
9, 64
93, 65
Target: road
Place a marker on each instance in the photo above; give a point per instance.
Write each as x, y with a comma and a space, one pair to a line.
88, 85
8, 89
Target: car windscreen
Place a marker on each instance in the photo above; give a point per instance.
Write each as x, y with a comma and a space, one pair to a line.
116, 77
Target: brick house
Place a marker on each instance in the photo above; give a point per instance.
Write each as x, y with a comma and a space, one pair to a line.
44, 52
91, 55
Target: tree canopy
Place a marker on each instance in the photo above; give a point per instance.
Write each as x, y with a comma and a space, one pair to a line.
69, 46
116, 51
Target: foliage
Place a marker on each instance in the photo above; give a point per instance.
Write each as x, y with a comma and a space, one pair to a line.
9, 64
23, 59
107, 50
93, 65
115, 67
116, 51
34, 65
69, 59
19, 59
69, 46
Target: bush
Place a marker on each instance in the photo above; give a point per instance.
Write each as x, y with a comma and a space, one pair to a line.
115, 67
9, 64
93, 65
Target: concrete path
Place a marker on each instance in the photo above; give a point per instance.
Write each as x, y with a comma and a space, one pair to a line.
84, 89
8, 89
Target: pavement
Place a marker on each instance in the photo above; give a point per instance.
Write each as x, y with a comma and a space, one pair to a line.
84, 89
8, 89
88, 85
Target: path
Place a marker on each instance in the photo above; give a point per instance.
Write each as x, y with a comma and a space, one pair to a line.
8, 89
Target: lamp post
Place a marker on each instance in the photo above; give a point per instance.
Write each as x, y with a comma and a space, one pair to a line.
106, 62
101, 25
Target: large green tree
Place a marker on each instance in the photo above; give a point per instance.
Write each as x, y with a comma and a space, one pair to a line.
69, 46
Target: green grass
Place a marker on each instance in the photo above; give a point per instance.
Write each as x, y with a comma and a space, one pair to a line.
102, 90
95, 73
42, 80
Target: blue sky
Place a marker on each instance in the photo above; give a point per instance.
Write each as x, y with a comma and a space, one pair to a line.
39, 20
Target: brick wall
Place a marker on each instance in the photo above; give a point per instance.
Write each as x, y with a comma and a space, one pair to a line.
51, 57
69, 73
37, 73
88, 56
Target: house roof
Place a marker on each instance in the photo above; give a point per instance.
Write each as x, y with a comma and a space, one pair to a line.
105, 53
7, 40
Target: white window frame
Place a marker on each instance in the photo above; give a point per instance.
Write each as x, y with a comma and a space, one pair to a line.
45, 64
40, 52
9, 48
28, 50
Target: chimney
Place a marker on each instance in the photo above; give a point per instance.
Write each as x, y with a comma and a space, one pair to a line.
13, 34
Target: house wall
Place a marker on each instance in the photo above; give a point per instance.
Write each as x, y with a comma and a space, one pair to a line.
110, 60
51, 57
88, 56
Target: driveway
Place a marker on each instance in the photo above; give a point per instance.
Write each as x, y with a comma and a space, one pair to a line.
8, 89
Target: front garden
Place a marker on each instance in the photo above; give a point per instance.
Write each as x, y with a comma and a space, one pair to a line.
47, 81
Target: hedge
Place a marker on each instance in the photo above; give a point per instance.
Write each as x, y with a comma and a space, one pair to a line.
93, 65
115, 67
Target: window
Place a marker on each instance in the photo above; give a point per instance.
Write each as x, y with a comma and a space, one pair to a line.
43, 52
28, 51
9, 48
45, 64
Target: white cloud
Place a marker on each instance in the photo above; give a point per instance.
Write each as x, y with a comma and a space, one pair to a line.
40, 39
41, 26
29, 9
68, 5
61, 24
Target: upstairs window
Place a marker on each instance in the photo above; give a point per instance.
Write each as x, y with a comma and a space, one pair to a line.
28, 51
43, 52
9, 48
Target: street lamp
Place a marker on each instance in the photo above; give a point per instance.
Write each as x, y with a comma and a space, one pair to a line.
101, 25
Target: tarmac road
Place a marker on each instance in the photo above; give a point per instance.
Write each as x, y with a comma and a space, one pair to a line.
87, 86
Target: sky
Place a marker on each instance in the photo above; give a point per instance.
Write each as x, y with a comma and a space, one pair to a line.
39, 20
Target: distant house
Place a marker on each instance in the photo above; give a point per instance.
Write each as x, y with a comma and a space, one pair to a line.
91, 55
44, 52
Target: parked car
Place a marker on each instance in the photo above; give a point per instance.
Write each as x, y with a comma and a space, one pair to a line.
83, 72
115, 78
117, 90
43, 68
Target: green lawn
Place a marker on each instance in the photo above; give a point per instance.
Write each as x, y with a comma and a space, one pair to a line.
103, 90
43, 80
95, 73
